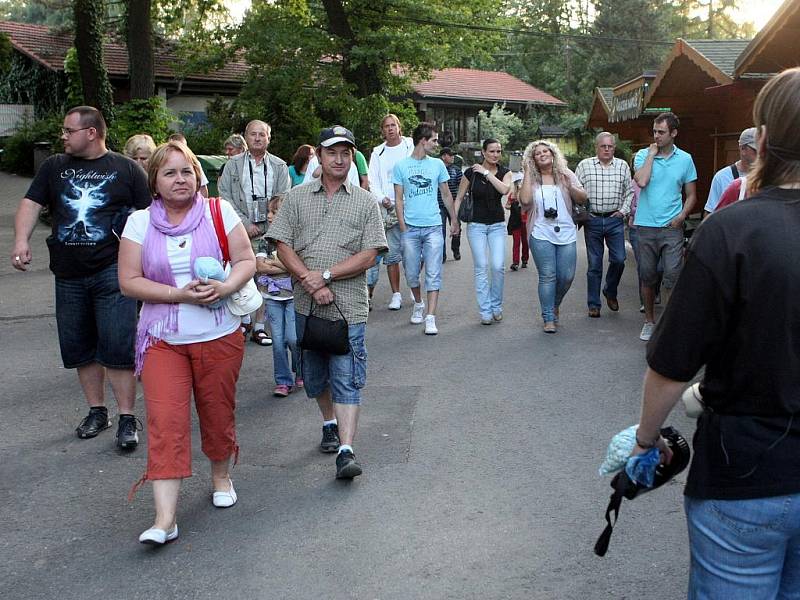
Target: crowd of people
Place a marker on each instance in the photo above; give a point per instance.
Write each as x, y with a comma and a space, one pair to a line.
311, 236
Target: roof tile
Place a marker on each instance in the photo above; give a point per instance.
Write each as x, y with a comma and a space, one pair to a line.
483, 85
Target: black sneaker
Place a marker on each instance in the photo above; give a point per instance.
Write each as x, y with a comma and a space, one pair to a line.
330, 438
457, 255
346, 466
127, 438
94, 422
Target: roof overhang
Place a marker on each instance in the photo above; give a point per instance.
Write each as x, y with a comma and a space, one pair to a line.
776, 47
682, 49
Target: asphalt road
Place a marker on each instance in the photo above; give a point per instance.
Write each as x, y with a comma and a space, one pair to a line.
480, 448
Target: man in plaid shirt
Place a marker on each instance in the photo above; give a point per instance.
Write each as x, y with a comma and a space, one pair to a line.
607, 180
448, 158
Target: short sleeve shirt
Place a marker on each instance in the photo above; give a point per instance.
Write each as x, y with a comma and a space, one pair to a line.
325, 232
722, 179
660, 200
89, 202
420, 180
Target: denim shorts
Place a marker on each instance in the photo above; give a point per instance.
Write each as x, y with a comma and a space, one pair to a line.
345, 374
96, 323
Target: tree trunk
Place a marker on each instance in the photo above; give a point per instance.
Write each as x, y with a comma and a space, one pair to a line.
139, 39
89, 32
363, 77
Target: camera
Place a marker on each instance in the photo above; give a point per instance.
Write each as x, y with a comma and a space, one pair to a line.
551, 213
258, 209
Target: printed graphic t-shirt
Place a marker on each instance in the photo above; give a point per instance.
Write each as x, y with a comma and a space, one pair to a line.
89, 202
420, 180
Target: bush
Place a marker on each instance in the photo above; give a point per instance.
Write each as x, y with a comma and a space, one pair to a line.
18, 149
149, 116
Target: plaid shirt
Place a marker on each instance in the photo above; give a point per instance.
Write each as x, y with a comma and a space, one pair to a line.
609, 188
455, 179
323, 233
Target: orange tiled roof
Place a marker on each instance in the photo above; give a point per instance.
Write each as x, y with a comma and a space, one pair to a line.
49, 47
492, 86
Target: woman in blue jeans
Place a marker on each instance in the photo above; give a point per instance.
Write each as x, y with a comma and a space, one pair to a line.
548, 192
487, 183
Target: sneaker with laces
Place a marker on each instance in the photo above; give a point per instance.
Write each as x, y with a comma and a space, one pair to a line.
346, 466
127, 438
396, 302
330, 438
281, 391
96, 421
430, 325
647, 331
417, 313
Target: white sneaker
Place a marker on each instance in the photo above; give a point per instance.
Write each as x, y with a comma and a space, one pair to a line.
430, 325
396, 301
417, 313
157, 537
647, 331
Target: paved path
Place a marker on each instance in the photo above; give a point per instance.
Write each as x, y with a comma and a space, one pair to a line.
480, 448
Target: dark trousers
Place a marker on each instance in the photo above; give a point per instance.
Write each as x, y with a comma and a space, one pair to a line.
455, 242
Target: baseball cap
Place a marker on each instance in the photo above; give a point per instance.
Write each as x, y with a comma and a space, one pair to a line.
748, 138
336, 135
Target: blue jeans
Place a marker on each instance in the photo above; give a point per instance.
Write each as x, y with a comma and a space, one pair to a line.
280, 314
597, 232
488, 245
344, 374
423, 244
392, 257
556, 266
744, 549
96, 323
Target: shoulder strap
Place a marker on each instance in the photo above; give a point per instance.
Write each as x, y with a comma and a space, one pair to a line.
735, 171
219, 227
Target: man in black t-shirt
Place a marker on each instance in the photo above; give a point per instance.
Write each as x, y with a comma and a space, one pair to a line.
90, 192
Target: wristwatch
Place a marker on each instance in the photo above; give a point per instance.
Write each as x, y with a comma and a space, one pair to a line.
326, 276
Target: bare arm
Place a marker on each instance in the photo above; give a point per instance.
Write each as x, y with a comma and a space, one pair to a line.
690, 189
354, 265
463, 187
447, 198
24, 224
659, 396
525, 195
270, 266
642, 175
398, 206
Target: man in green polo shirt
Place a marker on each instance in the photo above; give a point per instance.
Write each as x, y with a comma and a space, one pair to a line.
663, 171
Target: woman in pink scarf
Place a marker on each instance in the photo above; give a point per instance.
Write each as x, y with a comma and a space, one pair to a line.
184, 345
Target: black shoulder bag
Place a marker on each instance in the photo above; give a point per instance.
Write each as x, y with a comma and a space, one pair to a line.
326, 337
466, 209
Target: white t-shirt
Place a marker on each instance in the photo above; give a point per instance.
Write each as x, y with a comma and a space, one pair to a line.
549, 196
195, 323
390, 157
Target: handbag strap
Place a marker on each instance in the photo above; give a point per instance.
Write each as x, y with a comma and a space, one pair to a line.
219, 227
311, 311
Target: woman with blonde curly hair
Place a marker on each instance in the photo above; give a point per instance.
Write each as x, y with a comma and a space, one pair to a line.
548, 192
139, 148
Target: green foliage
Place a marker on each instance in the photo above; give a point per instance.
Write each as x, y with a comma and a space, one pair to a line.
27, 82
55, 13
499, 124
74, 86
149, 116
6, 53
18, 150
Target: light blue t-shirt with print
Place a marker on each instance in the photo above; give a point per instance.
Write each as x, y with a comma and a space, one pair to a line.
420, 179
660, 200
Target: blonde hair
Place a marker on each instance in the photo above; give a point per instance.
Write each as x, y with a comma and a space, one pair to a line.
776, 113
160, 156
559, 162
140, 141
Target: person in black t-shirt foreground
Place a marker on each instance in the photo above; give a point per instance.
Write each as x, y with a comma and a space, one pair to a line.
735, 310
487, 182
90, 192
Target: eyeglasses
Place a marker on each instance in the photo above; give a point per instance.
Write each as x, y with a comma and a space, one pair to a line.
68, 132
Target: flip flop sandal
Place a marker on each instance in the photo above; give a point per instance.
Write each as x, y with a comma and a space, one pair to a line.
261, 338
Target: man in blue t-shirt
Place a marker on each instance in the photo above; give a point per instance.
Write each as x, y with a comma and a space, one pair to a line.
662, 171
416, 182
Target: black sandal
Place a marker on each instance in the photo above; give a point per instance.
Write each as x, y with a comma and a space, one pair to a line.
261, 338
